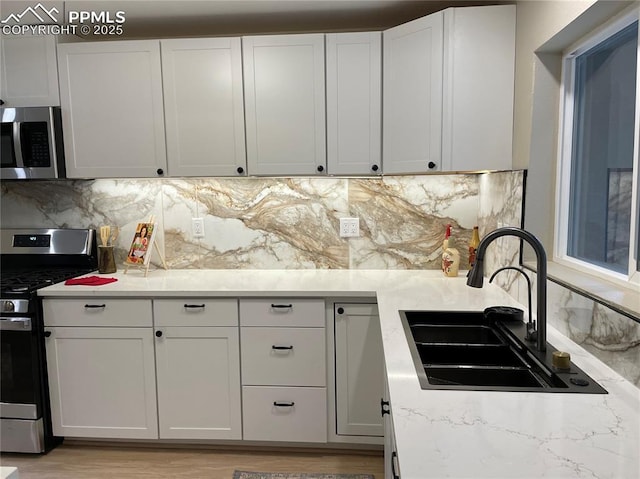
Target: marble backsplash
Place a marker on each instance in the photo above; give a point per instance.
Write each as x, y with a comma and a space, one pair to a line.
292, 223
275, 223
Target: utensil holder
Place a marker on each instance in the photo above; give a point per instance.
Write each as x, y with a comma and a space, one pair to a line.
106, 260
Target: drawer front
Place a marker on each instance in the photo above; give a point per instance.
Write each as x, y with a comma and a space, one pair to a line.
195, 312
282, 312
284, 414
283, 356
97, 312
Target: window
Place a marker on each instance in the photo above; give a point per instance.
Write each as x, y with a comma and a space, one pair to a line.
597, 220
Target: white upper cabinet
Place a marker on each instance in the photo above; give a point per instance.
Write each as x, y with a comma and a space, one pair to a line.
112, 109
479, 69
448, 91
354, 96
412, 118
285, 104
29, 70
204, 110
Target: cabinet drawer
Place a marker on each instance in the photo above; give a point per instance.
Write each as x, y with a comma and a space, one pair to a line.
284, 414
195, 312
97, 312
282, 312
283, 356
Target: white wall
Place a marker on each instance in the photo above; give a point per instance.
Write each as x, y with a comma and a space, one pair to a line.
537, 21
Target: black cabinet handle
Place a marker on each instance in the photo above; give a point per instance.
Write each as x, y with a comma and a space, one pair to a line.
384, 404
282, 306
394, 474
158, 334
431, 165
47, 334
281, 347
95, 306
340, 310
320, 168
375, 167
160, 171
283, 404
194, 306
240, 170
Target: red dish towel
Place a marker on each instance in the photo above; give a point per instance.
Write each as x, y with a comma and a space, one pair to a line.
90, 281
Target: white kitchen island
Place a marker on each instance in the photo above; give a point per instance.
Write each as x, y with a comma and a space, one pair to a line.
438, 433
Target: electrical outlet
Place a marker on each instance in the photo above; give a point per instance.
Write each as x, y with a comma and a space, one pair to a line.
349, 227
197, 227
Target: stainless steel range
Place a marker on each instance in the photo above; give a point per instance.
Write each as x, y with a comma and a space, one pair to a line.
31, 259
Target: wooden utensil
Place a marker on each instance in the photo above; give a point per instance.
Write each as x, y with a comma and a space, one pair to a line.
105, 232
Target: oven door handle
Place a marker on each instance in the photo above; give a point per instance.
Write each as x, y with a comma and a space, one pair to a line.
15, 324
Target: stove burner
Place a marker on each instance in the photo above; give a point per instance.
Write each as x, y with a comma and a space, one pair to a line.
25, 281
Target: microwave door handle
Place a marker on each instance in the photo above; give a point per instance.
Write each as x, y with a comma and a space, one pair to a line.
17, 147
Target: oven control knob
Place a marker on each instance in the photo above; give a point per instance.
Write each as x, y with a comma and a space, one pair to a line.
8, 306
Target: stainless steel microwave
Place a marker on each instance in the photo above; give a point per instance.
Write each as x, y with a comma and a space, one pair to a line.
31, 143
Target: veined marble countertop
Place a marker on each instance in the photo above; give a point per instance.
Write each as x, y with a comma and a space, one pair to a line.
458, 434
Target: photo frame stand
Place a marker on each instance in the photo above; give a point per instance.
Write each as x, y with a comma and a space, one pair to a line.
152, 247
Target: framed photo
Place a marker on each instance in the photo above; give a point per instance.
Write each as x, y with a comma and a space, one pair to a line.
139, 252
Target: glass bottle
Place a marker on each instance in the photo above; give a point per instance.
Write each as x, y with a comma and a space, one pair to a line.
473, 246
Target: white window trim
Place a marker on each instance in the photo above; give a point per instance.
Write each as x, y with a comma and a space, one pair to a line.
565, 143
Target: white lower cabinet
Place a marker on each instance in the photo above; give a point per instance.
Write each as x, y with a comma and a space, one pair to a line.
359, 369
391, 467
296, 414
102, 382
198, 368
198, 383
284, 395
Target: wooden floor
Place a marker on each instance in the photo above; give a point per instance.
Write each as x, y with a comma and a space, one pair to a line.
110, 462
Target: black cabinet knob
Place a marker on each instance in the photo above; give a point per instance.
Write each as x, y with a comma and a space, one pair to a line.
375, 167
240, 170
431, 165
160, 171
1, 102
158, 334
320, 168
47, 334
340, 311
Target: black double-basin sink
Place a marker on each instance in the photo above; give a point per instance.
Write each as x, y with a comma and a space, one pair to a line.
468, 350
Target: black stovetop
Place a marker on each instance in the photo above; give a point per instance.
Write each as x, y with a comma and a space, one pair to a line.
26, 281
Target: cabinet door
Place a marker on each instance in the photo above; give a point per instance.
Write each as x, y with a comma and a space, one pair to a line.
359, 369
102, 382
285, 104
204, 110
112, 112
412, 92
29, 70
354, 81
199, 383
479, 60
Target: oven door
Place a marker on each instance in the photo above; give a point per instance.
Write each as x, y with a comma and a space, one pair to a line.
22, 427
18, 381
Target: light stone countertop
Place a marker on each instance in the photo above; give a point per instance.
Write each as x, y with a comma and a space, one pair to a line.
458, 434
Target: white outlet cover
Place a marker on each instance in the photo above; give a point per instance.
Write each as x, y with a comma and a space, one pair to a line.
197, 227
349, 227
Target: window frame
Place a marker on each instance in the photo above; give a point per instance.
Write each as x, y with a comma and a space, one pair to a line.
565, 145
